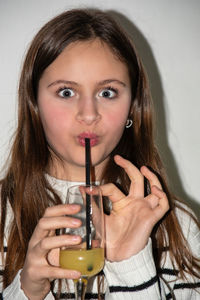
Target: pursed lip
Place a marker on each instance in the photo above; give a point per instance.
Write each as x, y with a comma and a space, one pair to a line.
94, 139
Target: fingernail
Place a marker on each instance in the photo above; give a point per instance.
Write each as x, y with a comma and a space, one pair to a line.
74, 206
75, 274
75, 238
75, 222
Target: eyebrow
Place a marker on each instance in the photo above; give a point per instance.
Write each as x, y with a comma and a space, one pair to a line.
62, 81
103, 82
107, 81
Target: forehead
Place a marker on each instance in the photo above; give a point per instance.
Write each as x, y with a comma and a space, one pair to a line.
94, 57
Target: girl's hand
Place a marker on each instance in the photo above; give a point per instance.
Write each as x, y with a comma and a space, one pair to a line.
39, 267
133, 217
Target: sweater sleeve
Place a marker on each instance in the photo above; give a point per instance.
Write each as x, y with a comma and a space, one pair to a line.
134, 278
14, 291
137, 277
172, 285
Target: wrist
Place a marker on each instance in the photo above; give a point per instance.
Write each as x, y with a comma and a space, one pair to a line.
124, 252
34, 291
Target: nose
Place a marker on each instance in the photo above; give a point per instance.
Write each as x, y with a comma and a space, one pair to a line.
88, 112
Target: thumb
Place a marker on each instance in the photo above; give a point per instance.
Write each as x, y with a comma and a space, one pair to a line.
53, 257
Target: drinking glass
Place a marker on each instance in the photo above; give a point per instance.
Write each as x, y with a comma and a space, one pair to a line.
88, 256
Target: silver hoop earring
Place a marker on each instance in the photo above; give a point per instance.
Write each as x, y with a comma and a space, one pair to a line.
129, 123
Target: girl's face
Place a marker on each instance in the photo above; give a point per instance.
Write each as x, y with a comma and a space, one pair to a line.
85, 92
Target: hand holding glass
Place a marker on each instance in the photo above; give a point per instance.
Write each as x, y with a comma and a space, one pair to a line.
88, 256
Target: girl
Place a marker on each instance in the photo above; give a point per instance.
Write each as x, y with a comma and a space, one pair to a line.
82, 78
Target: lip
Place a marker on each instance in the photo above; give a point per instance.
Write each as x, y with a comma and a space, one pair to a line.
94, 139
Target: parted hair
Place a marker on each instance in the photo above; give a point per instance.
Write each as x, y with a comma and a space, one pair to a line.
25, 187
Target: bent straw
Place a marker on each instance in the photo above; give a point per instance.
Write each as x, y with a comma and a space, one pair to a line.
88, 201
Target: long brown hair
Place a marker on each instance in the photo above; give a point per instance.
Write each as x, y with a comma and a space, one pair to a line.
25, 185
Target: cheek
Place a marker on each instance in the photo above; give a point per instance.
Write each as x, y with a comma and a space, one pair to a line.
55, 125
53, 118
115, 127
117, 120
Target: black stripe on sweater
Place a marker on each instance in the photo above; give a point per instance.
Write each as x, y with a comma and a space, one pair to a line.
72, 296
168, 296
135, 288
1, 297
188, 285
166, 271
182, 286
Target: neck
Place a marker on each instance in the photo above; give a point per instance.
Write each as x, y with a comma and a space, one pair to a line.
62, 170
69, 174
75, 173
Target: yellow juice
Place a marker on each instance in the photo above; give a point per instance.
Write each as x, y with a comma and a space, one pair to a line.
88, 262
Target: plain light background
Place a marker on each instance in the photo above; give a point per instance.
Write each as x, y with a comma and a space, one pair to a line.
167, 36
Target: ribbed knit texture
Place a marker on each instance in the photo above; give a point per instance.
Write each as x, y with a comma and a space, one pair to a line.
134, 278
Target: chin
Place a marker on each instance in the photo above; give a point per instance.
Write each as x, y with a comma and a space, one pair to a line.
101, 162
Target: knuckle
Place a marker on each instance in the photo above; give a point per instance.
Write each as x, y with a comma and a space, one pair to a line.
42, 222
50, 272
43, 244
112, 186
30, 271
153, 178
163, 194
167, 205
109, 187
130, 167
47, 211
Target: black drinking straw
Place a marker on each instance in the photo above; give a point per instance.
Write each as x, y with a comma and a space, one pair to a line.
88, 201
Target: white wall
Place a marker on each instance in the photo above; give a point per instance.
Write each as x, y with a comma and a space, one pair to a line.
167, 36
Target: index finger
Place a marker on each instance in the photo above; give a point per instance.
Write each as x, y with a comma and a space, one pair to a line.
136, 177
61, 209
54, 218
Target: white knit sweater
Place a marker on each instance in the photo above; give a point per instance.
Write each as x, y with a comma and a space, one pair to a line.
134, 278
